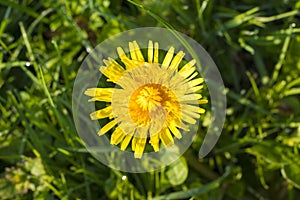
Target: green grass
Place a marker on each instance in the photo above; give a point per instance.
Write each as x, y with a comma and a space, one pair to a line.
256, 46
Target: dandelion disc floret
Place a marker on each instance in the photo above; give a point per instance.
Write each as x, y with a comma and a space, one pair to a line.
152, 101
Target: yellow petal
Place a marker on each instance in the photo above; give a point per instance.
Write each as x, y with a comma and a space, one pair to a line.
133, 143
128, 128
155, 58
186, 73
158, 120
192, 108
114, 65
140, 133
101, 98
126, 142
184, 126
197, 88
174, 130
132, 51
168, 58
100, 114
154, 141
107, 127
190, 97
117, 136
196, 82
135, 51
187, 118
191, 114
139, 147
121, 53
203, 101
188, 69
106, 62
100, 94
178, 123
192, 76
138, 52
129, 64
166, 137
150, 51
202, 111
113, 71
176, 61
94, 92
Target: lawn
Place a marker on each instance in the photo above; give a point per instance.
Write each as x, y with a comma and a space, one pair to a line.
256, 47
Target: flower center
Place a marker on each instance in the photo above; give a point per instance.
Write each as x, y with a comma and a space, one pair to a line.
153, 102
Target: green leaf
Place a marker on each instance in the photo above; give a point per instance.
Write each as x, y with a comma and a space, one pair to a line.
292, 174
178, 172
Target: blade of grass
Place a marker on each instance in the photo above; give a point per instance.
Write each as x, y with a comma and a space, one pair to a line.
293, 91
37, 67
17, 51
13, 64
200, 9
254, 87
282, 55
241, 18
293, 83
277, 17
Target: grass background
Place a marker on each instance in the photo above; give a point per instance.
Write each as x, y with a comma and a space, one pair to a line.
256, 46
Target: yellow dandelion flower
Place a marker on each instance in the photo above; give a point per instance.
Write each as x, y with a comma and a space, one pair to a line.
151, 101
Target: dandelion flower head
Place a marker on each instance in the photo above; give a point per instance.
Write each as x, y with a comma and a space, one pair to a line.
152, 101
